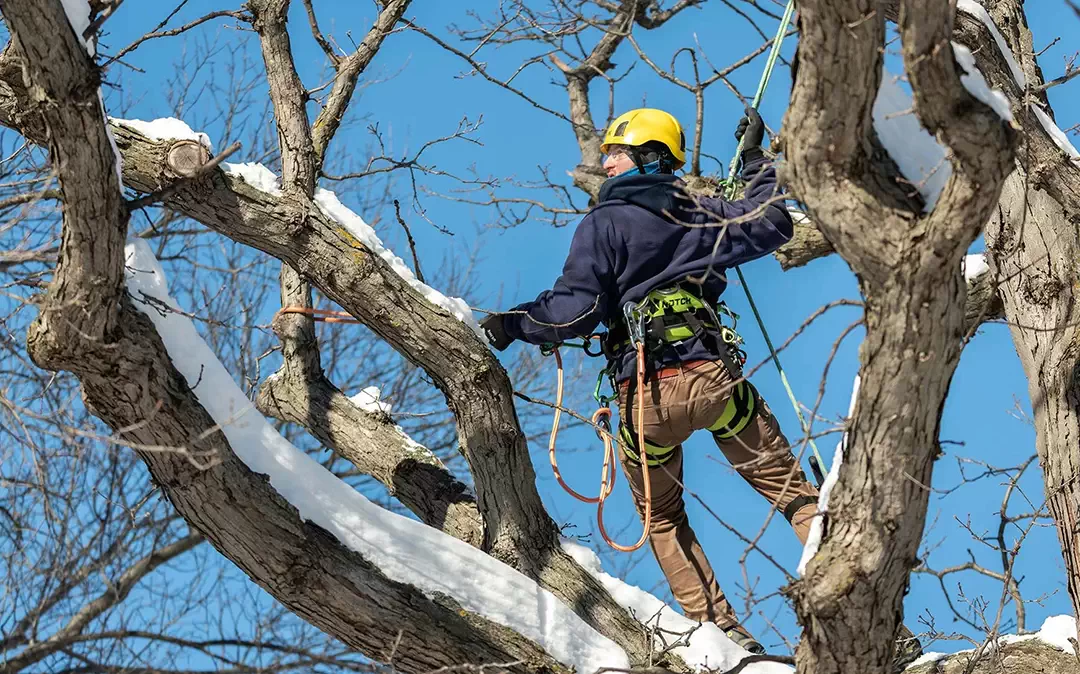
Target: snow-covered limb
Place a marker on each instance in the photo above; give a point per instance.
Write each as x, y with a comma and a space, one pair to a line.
708, 647
1056, 631
976, 10
403, 549
166, 128
975, 83
264, 180
979, 12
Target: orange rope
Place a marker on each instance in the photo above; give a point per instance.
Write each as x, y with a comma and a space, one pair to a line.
608, 473
324, 315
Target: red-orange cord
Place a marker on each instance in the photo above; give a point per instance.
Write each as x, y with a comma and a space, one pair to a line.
324, 315
607, 475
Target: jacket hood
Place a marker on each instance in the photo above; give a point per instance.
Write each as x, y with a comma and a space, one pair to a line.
662, 193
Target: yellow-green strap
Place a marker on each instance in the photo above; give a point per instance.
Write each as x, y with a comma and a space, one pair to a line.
657, 454
738, 413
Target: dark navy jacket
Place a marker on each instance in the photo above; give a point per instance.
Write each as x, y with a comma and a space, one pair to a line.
646, 234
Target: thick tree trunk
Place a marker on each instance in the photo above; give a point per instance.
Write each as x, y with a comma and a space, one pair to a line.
908, 264
1034, 246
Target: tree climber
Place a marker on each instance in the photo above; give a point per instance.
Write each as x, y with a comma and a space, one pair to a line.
650, 251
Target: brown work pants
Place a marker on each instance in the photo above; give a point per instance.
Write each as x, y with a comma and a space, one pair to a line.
692, 398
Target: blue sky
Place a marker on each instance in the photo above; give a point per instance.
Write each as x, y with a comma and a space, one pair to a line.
421, 94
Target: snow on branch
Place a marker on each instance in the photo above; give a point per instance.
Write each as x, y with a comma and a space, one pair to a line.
265, 180
1056, 631
403, 549
916, 152
974, 9
705, 645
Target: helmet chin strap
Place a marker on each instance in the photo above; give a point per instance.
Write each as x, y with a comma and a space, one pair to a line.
660, 165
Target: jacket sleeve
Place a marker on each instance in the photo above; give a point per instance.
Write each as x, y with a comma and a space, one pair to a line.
580, 297
750, 239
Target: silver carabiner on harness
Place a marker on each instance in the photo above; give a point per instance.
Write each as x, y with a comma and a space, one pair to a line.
635, 323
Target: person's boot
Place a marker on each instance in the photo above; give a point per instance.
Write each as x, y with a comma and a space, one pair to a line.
743, 639
906, 650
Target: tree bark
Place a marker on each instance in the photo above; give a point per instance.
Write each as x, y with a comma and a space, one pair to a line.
300, 392
1025, 657
908, 263
517, 529
88, 326
1034, 250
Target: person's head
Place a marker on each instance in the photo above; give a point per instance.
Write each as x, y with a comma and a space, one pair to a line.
649, 139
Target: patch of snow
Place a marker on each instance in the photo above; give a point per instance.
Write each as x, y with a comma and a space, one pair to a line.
403, 549
976, 84
979, 12
334, 209
256, 175
78, 15
709, 648
813, 540
1056, 631
370, 400
166, 128
926, 658
916, 152
1056, 134
119, 158
974, 266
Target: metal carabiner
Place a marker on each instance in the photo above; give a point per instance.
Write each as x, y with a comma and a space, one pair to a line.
635, 323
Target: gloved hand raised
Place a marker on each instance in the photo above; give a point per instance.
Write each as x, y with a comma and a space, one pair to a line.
751, 129
495, 332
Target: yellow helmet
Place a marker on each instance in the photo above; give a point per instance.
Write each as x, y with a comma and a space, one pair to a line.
640, 126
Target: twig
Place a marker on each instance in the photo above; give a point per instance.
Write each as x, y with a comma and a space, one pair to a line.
168, 191
1058, 80
412, 242
319, 37
235, 14
93, 28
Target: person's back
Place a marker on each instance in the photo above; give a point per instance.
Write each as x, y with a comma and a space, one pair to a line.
650, 250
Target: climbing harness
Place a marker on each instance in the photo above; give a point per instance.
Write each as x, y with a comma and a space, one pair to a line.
665, 317
817, 464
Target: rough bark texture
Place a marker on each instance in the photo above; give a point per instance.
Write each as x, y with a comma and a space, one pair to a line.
517, 529
300, 392
89, 327
1026, 657
1034, 248
908, 264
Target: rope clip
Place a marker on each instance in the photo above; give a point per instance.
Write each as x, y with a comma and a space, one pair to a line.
635, 324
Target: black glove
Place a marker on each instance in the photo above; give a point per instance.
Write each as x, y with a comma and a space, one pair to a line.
751, 130
495, 332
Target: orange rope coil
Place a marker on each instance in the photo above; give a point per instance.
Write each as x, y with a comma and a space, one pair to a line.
608, 473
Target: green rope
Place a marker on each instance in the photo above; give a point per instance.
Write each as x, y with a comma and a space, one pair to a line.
774, 53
